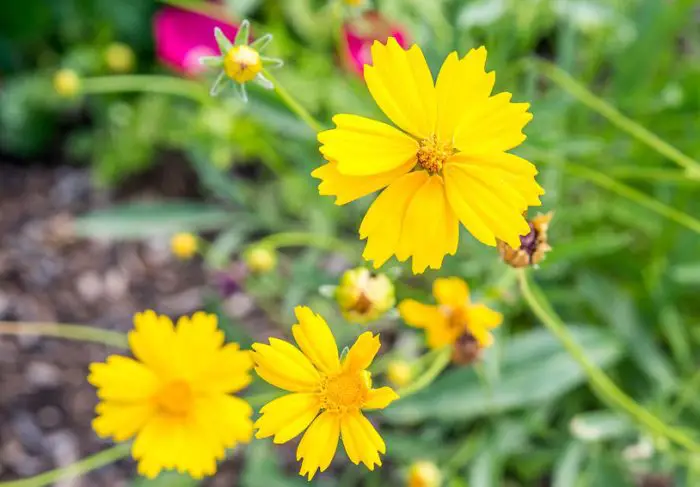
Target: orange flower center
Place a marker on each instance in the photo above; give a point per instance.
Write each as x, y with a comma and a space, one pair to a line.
458, 318
433, 153
175, 398
344, 391
242, 64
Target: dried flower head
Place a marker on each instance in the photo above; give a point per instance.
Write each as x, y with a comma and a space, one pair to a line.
364, 296
533, 246
240, 61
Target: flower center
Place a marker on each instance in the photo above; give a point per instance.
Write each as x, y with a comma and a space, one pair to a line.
242, 63
433, 153
175, 398
457, 318
345, 391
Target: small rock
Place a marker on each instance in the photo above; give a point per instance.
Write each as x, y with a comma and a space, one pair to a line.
115, 284
63, 446
13, 455
238, 305
90, 286
41, 375
49, 417
28, 433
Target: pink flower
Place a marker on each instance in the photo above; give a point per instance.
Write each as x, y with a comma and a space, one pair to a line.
359, 36
183, 36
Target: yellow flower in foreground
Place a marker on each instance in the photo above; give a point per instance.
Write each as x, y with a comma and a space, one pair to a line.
453, 318
455, 134
175, 397
184, 245
327, 394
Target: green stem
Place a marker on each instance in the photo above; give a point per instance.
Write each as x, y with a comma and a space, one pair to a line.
68, 332
293, 104
442, 360
623, 190
82, 467
585, 96
687, 394
148, 83
601, 384
303, 239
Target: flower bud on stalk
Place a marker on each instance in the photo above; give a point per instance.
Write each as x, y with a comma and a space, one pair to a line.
533, 246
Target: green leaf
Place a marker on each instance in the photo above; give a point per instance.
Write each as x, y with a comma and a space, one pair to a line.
568, 469
262, 468
601, 425
242, 34
166, 479
535, 369
139, 220
224, 43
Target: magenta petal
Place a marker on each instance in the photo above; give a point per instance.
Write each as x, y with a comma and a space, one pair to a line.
361, 34
182, 37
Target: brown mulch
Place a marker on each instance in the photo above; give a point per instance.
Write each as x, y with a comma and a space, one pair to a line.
47, 275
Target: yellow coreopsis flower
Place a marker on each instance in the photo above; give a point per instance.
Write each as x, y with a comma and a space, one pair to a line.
445, 163
327, 396
175, 397
453, 318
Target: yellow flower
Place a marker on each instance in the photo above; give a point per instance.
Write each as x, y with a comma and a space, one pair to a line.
455, 134
175, 396
242, 63
399, 373
424, 474
260, 259
453, 318
66, 82
327, 396
184, 245
364, 297
119, 57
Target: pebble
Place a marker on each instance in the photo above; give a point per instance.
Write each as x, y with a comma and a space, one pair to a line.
28, 433
90, 286
41, 375
49, 417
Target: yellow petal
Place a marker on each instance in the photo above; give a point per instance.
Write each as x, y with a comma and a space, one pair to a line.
153, 341
482, 336
284, 366
361, 441
451, 291
287, 416
197, 342
229, 371
316, 340
123, 379
362, 352
482, 315
401, 84
349, 188
384, 220
380, 398
225, 420
121, 420
418, 314
483, 207
365, 147
441, 335
495, 125
461, 84
430, 227
318, 445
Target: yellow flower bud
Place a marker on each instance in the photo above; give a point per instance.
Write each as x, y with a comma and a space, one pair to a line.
363, 296
399, 373
424, 474
354, 3
119, 57
261, 259
66, 82
242, 63
184, 245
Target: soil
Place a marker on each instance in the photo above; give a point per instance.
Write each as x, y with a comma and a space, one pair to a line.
48, 275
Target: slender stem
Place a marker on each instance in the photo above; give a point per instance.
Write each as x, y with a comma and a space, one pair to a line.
655, 174
168, 85
687, 394
605, 181
293, 104
585, 96
88, 464
68, 332
601, 384
442, 360
303, 239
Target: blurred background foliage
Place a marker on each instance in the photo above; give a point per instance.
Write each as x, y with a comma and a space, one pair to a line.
624, 274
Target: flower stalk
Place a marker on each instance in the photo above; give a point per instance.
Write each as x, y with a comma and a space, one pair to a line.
69, 332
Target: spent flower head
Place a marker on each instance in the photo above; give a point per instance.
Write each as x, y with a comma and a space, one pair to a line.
175, 397
240, 61
533, 246
364, 296
327, 394
455, 321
